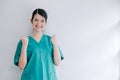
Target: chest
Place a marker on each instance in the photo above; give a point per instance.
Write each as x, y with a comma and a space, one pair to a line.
41, 49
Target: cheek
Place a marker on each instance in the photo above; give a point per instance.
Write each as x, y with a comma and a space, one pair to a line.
34, 23
44, 24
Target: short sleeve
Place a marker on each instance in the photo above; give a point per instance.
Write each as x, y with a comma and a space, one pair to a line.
61, 54
60, 51
17, 53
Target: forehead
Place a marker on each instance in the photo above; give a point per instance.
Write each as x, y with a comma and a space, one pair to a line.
38, 16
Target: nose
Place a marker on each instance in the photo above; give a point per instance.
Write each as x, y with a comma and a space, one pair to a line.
39, 23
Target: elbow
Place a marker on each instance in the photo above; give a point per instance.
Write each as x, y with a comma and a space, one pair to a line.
22, 66
57, 63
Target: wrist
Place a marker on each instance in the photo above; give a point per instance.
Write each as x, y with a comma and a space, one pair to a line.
24, 46
55, 46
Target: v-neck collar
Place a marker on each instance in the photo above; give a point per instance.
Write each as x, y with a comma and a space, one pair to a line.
36, 40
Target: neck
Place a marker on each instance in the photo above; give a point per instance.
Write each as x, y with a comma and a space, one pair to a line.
37, 34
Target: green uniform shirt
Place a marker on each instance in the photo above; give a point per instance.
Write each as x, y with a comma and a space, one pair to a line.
40, 64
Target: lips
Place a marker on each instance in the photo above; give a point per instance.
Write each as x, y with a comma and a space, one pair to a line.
37, 26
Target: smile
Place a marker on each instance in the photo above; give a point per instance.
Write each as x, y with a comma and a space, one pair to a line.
39, 26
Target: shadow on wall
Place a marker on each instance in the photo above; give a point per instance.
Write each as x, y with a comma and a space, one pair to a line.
119, 62
118, 56
119, 48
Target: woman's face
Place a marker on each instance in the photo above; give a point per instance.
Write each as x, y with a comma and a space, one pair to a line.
38, 23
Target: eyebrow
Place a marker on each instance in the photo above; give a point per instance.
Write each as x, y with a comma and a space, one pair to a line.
41, 19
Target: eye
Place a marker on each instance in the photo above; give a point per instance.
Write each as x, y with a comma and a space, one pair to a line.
42, 20
36, 20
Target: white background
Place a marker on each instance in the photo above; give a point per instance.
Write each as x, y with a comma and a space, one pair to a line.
87, 30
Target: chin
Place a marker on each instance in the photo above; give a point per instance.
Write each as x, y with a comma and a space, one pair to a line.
39, 30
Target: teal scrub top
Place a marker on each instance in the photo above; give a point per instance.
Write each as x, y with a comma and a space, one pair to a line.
40, 64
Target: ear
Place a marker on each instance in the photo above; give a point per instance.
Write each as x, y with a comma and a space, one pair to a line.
31, 21
45, 23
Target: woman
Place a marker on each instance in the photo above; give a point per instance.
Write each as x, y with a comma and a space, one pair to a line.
37, 53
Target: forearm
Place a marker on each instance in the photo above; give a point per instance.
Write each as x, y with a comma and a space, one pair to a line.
23, 58
56, 56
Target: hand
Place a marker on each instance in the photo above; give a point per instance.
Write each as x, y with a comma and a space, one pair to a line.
25, 41
54, 40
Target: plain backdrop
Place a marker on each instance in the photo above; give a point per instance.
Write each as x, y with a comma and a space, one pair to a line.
87, 32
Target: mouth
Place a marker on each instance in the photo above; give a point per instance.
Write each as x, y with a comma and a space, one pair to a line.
37, 26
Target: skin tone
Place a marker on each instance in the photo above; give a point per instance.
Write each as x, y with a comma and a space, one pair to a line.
38, 24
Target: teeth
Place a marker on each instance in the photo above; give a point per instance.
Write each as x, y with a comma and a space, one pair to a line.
39, 26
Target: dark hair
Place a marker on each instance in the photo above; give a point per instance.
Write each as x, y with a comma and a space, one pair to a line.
41, 12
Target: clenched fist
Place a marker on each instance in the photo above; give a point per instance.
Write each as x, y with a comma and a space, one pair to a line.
54, 41
25, 41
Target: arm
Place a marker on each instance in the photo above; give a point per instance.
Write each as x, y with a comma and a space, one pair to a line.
56, 53
23, 57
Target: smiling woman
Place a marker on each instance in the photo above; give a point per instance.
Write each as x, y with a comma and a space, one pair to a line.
37, 53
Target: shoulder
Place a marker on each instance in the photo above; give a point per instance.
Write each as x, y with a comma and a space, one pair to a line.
47, 36
19, 43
